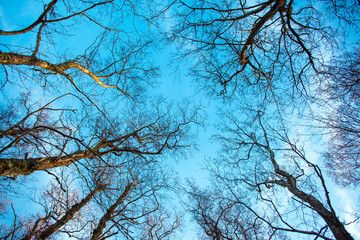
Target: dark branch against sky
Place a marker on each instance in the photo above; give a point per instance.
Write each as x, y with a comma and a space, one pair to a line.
125, 115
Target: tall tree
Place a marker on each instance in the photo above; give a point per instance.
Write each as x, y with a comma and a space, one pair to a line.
77, 81
147, 134
59, 203
263, 43
74, 97
113, 54
274, 55
270, 46
341, 120
100, 203
50, 230
264, 185
98, 230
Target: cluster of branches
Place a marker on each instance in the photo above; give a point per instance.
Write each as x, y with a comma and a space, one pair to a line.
263, 43
94, 130
115, 156
31, 144
275, 58
113, 55
110, 203
264, 186
272, 55
342, 121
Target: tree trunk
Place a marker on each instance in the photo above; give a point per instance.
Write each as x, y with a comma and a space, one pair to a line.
69, 215
108, 215
337, 228
256, 28
26, 166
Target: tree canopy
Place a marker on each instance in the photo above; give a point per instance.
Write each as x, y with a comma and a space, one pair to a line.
83, 126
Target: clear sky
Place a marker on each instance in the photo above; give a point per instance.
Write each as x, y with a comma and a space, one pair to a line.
174, 84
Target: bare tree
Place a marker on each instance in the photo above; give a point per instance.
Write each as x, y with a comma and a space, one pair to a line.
341, 120
113, 52
261, 43
130, 145
131, 210
147, 134
265, 184
113, 57
50, 230
100, 203
58, 133
59, 203
221, 218
271, 54
71, 116
98, 230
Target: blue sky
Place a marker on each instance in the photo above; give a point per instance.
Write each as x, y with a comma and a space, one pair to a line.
175, 84
175, 87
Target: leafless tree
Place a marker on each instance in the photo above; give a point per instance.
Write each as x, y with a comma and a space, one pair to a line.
221, 218
264, 185
101, 203
268, 53
69, 114
60, 203
141, 133
128, 148
342, 119
114, 55
128, 213
261, 43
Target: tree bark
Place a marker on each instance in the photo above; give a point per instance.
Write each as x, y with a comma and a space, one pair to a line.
337, 227
9, 58
26, 166
108, 215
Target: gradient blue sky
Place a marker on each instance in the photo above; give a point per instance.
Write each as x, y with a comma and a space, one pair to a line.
174, 85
